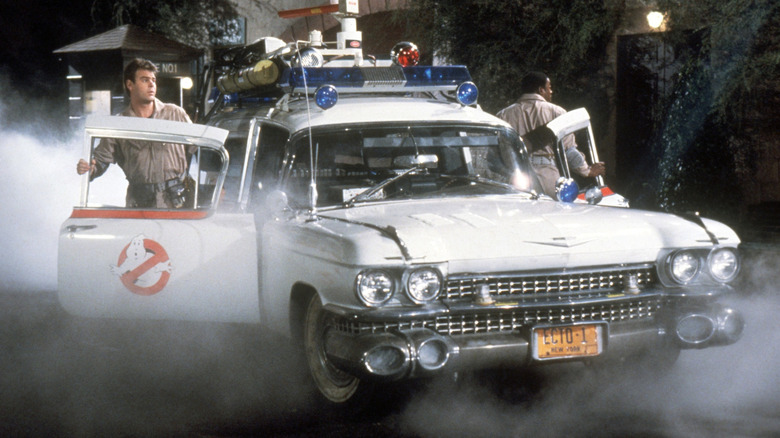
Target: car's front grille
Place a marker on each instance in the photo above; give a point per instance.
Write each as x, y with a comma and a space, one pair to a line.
499, 320
551, 286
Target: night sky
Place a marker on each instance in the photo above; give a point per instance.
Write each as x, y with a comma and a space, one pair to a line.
29, 31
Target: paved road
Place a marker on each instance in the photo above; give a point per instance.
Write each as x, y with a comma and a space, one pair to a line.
62, 376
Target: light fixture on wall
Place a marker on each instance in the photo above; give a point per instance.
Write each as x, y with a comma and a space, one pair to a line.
655, 19
186, 83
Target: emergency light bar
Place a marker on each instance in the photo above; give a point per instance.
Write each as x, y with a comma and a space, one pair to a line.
375, 79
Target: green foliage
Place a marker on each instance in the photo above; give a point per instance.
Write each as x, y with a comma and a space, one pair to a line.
500, 40
705, 149
194, 23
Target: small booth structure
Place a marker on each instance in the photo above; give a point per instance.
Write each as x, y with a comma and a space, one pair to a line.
96, 64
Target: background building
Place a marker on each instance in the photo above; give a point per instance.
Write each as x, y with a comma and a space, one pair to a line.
96, 65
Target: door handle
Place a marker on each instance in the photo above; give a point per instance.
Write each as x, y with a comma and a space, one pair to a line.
74, 228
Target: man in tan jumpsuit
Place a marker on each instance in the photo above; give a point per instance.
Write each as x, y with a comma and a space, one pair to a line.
155, 171
534, 109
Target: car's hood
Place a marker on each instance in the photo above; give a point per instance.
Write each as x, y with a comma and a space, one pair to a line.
543, 233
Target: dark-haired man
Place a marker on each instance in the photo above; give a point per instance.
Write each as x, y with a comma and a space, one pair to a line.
535, 109
155, 171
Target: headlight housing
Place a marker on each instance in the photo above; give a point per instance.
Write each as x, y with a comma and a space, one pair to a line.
723, 264
375, 287
684, 266
692, 266
399, 286
423, 285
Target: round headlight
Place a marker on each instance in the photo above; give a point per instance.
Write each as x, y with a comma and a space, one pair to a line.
723, 264
423, 285
374, 288
684, 266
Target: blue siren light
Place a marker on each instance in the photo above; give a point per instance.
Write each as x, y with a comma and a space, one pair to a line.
567, 190
380, 79
326, 96
467, 93
339, 77
420, 76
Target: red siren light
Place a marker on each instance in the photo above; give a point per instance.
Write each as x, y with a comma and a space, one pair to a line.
405, 54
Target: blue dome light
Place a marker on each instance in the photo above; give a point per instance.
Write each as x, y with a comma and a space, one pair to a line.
567, 190
467, 93
326, 96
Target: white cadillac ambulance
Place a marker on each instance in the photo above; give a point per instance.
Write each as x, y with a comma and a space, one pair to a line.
371, 211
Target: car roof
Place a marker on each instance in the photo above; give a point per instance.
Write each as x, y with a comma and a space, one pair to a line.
365, 109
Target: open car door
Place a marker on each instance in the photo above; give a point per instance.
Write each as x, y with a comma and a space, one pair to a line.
577, 122
191, 263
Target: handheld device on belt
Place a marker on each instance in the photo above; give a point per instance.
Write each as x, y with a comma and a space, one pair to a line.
145, 195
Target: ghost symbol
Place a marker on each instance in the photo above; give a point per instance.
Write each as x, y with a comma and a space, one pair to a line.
135, 255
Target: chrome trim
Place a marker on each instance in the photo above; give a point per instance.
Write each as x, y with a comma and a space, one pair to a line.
472, 319
687, 342
552, 286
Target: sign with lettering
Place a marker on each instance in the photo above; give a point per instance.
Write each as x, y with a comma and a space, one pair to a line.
173, 69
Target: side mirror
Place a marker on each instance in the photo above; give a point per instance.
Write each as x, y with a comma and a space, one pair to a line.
593, 195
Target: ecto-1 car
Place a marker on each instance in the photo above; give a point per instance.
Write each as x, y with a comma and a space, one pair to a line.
371, 211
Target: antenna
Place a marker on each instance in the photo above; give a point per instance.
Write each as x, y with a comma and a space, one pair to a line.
350, 42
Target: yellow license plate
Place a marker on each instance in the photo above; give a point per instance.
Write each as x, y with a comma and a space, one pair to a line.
566, 341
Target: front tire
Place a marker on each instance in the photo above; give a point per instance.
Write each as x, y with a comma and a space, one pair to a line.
333, 384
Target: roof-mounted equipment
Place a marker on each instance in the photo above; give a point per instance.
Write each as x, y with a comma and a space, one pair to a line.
312, 68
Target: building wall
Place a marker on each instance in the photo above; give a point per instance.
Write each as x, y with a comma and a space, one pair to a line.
263, 21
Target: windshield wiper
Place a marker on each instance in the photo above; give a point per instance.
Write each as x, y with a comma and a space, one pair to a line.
492, 182
368, 193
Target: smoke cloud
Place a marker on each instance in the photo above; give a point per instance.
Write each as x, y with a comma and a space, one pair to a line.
65, 376
39, 186
717, 392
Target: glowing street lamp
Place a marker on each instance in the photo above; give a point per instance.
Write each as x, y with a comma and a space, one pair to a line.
185, 83
655, 19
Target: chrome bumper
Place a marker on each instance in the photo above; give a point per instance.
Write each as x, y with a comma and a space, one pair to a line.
421, 352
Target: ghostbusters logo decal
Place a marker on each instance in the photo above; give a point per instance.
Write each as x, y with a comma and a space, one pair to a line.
143, 266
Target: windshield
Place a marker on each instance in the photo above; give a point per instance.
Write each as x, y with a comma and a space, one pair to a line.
370, 164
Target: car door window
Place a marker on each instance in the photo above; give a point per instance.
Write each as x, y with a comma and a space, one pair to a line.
268, 164
148, 164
